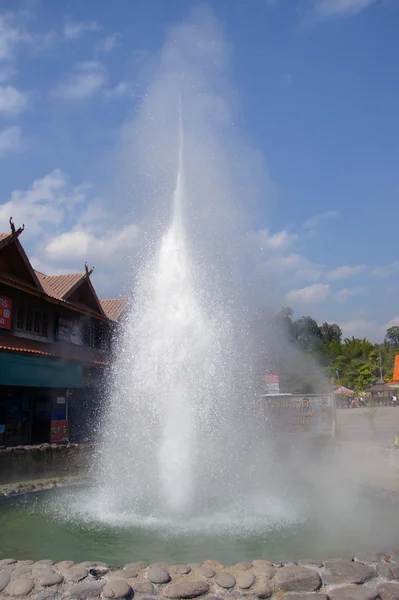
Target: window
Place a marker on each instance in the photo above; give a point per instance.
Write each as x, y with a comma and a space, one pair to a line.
32, 321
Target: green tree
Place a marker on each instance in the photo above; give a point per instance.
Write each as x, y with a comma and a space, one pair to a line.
392, 336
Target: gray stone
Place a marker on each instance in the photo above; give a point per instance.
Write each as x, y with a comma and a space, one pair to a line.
21, 586
388, 570
213, 598
98, 571
205, 572
143, 587
4, 579
7, 561
343, 571
311, 563
297, 579
25, 563
123, 574
87, 564
64, 564
180, 569
117, 588
389, 591
185, 589
242, 566
369, 557
267, 571
160, 565
48, 594
85, 590
43, 563
213, 564
22, 570
245, 579
309, 596
193, 565
158, 575
353, 593
136, 566
51, 578
225, 580
262, 563
75, 573
262, 589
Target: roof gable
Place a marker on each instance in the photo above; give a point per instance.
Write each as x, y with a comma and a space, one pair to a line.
14, 263
75, 288
113, 307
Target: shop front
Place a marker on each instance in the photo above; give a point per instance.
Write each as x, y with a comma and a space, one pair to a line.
34, 394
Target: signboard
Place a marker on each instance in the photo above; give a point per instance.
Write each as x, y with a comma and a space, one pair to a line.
5, 312
69, 330
59, 431
312, 414
272, 385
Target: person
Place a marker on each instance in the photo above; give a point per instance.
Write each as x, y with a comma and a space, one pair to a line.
394, 400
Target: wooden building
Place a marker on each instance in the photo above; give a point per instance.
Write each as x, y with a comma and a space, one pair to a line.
55, 340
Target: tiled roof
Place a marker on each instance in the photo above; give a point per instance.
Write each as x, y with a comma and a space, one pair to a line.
58, 286
113, 307
3, 236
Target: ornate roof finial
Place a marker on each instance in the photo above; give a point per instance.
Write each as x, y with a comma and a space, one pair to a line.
14, 231
88, 271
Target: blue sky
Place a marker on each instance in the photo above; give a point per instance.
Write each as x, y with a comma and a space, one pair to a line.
312, 88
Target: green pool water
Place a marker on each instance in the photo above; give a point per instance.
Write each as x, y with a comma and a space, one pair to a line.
37, 526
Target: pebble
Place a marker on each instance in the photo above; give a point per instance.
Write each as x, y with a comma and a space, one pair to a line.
388, 571
65, 564
205, 572
242, 566
124, 574
7, 561
43, 563
4, 579
48, 594
343, 571
389, 591
117, 588
353, 593
225, 580
85, 590
245, 579
51, 578
158, 575
297, 579
185, 589
143, 587
22, 570
21, 586
136, 566
213, 564
267, 571
310, 596
262, 563
75, 573
180, 569
263, 590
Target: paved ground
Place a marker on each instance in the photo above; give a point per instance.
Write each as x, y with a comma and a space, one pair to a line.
369, 424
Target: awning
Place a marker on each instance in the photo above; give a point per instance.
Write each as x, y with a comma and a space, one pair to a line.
39, 371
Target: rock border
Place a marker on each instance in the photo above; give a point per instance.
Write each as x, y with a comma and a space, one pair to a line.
366, 576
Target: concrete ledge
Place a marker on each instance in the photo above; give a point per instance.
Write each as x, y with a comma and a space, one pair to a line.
26, 463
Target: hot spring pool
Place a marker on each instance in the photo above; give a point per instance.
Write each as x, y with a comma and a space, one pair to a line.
47, 525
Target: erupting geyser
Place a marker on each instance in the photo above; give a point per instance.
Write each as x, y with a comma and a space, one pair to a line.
175, 436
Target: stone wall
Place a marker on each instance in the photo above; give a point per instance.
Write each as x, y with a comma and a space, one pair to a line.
27, 463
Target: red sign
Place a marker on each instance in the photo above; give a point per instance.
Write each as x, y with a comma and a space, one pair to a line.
5, 312
271, 378
59, 431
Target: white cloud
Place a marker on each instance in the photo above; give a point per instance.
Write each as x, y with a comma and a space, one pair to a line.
317, 292
12, 101
109, 43
75, 29
14, 33
87, 79
345, 272
44, 204
386, 271
341, 8
345, 293
10, 140
264, 240
121, 90
317, 219
372, 330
